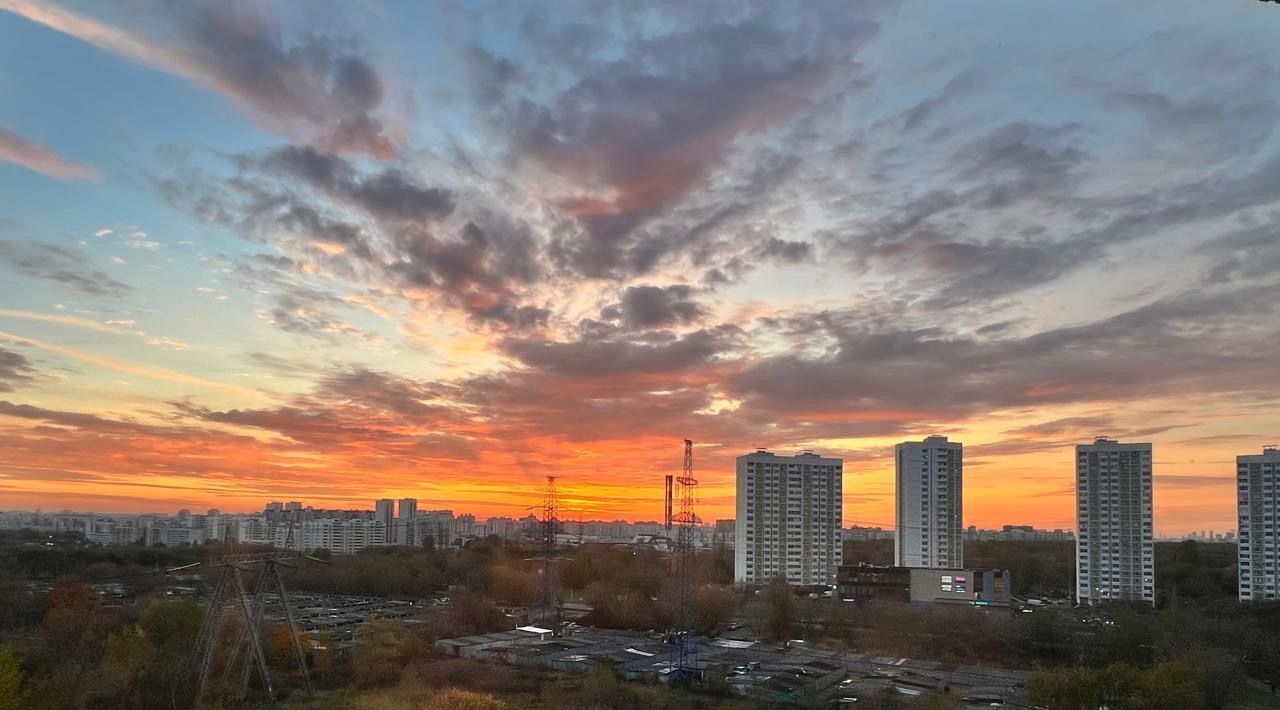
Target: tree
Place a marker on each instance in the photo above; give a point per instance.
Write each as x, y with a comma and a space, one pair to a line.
1170, 684
457, 699
10, 680
471, 613
781, 621
282, 653
713, 608
173, 623
378, 654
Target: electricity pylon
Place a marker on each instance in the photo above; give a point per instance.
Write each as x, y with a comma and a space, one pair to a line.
231, 599
549, 611
682, 611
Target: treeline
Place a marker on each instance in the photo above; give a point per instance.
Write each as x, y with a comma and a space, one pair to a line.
86, 653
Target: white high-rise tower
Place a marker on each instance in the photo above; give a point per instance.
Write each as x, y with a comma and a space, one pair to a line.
1258, 545
929, 478
788, 520
1115, 546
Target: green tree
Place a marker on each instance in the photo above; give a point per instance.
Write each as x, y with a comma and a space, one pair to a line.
171, 622
10, 680
1170, 684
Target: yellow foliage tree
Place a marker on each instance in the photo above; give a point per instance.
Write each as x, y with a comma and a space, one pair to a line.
456, 699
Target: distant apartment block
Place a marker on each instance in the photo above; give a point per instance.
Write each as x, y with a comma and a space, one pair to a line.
788, 518
1115, 557
929, 479
1258, 545
384, 511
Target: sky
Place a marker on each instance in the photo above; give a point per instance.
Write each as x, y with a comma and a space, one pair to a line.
335, 252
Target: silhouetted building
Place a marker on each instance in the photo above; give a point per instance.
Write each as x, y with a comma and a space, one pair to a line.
864, 582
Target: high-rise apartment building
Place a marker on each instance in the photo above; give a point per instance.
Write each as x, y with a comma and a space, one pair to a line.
408, 508
1258, 544
1115, 551
404, 526
384, 511
788, 518
929, 479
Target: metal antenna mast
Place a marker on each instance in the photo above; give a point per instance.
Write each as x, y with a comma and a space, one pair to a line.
682, 609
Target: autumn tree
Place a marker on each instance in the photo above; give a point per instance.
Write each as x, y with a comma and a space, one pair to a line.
10, 680
458, 699
379, 653
713, 608
781, 620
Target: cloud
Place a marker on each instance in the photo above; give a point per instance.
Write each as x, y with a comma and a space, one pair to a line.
1027, 166
1067, 426
388, 194
65, 266
15, 370
601, 351
386, 232
655, 307
631, 137
315, 89
110, 326
168, 343
306, 312
16, 149
153, 372
1217, 335
786, 252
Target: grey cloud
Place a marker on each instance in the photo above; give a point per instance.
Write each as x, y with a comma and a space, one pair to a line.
651, 127
318, 87
1021, 162
1247, 254
314, 88
306, 312
655, 307
601, 351
388, 194
1102, 425
786, 252
1217, 338
68, 267
15, 370
396, 235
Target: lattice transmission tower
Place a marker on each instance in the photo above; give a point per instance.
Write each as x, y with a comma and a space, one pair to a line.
549, 611
684, 654
232, 600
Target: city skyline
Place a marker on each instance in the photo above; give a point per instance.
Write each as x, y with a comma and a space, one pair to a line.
251, 252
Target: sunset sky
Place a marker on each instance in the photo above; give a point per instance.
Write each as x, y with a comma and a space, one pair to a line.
333, 252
